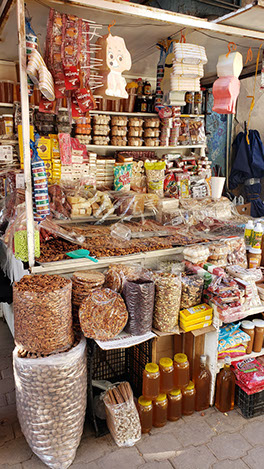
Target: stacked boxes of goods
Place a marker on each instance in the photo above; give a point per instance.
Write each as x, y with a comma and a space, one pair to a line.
101, 129
119, 131
105, 172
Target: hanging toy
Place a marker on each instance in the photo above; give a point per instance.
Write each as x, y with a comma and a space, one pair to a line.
115, 60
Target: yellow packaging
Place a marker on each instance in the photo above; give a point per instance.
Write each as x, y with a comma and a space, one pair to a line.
205, 318
44, 148
200, 311
55, 149
20, 142
193, 327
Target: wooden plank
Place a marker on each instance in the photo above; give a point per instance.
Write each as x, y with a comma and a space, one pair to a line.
154, 350
178, 343
25, 129
188, 349
203, 331
119, 7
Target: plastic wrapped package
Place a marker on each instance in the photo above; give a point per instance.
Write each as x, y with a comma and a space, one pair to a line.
122, 416
250, 373
83, 282
103, 314
155, 177
90, 202
237, 252
128, 203
196, 254
59, 206
218, 254
42, 313
245, 274
192, 290
230, 336
167, 302
117, 274
52, 228
139, 298
197, 131
51, 403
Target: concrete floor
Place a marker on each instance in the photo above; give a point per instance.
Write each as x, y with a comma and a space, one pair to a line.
201, 441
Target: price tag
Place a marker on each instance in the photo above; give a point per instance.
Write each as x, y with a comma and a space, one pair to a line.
20, 181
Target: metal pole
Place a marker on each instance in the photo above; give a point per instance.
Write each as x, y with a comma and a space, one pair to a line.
25, 128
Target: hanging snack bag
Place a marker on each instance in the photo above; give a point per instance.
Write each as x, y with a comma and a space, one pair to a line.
155, 177
40, 185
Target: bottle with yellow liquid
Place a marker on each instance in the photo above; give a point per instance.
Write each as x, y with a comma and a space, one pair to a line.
225, 388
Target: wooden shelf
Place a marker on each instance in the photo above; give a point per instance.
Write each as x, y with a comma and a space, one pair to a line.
9, 105
131, 114
111, 147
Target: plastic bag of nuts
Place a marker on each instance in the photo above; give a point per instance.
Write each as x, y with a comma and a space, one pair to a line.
167, 302
103, 314
51, 403
122, 416
139, 298
192, 290
43, 313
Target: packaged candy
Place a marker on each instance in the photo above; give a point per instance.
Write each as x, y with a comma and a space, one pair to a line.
40, 203
155, 177
122, 176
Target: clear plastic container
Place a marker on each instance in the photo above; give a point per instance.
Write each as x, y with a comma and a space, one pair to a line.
174, 405
160, 410
166, 375
181, 370
151, 381
145, 411
188, 399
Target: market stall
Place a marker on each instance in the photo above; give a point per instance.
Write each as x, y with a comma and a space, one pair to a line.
115, 210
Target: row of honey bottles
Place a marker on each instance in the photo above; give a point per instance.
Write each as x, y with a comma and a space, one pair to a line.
168, 392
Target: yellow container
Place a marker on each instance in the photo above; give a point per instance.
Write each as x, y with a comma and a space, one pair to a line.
193, 327
206, 318
191, 315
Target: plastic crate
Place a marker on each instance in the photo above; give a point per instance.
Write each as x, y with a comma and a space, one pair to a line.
250, 405
114, 365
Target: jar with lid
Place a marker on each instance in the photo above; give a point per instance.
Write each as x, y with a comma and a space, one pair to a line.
160, 410
254, 258
188, 399
259, 334
151, 381
8, 124
166, 375
249, 328
174, 405
181, 370
145, 411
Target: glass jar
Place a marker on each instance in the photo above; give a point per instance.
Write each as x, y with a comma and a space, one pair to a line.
8, 124
259, 334
181, 370
249, 328
188, 399
151, 381
166, 375
160, 409
145, 411
174, 405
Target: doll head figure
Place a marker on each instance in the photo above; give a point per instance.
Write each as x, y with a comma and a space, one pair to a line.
117, 56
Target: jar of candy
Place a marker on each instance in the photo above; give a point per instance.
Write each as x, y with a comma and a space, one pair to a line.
160, 409
166, 375
181, 370
174, 405
145, 411
188, 399
151, 381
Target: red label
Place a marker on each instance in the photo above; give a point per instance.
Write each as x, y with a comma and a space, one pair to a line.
46, 106
59, 85
85, 99
76, 110
72, 80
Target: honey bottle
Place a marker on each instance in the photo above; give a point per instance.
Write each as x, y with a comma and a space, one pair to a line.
202, 384
225, 388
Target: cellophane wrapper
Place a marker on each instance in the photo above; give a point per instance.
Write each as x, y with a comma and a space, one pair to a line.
123, 421
51, 403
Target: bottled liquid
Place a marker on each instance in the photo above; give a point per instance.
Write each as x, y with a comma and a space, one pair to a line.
225, 388
147, 88
188, 399
248, 233
160, 409
145, 411
202, 384
174, 405
249, 328
166, 375
197, 102
140, 87
151, 381
188, 106
181, 370
257, 236
259, 334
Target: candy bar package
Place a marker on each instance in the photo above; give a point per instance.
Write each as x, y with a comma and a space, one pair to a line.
249, 372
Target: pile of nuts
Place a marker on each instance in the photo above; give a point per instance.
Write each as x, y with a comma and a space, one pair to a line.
43, 316
167, 302
51, 403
